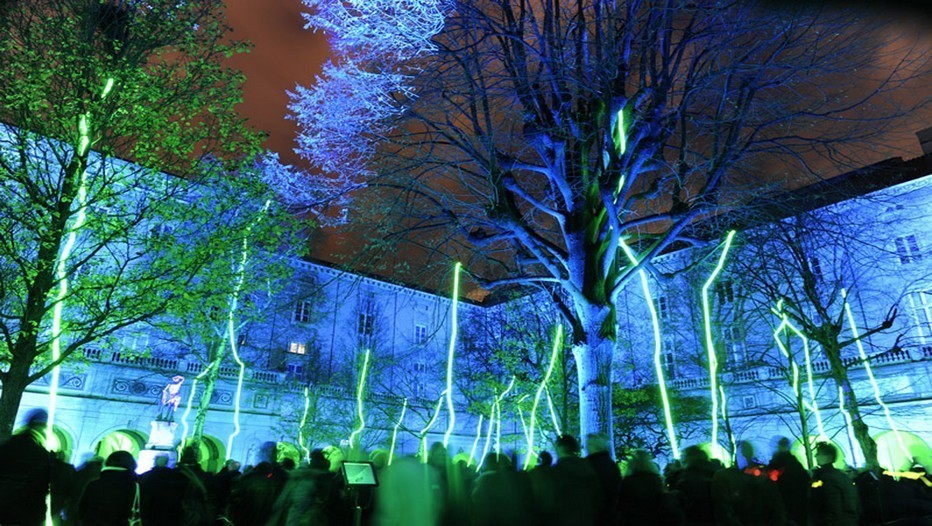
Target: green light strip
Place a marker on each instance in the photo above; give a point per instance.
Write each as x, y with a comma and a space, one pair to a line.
527, 438
359, 390
430, 424
813, 402
61, 274
187, 410
710, 345
452, 347
391, 451
658, 354
619, 135
870, 376
488, 438
475, 444
301, 440
553, 414
498, 418
557, 344
849, 428
231, 326
734, 445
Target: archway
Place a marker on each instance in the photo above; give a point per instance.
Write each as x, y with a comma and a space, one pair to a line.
60, 441
288, 450
120, 440
210, 453
891, 456
798, 451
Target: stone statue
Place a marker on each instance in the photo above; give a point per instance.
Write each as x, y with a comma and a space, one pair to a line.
171, 399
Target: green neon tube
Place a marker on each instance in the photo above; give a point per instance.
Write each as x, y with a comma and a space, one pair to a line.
498, 417
619, 135
557, 344
391, 451
658, 354
452, 347
553, 414
710, 345
301, 440
359, 390
187, 410
61, 274
430, 424
529, 442
870, 376
849, 428
475, 444
488, 438
231, 326
813, 403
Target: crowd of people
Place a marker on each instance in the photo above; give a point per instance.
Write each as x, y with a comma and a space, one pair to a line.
570, 489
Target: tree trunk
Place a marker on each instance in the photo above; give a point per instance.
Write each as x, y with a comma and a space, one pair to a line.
210, 382
861, 431
594, 370
14, 385
804, 427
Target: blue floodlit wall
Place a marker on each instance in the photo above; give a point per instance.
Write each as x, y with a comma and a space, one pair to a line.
880, 273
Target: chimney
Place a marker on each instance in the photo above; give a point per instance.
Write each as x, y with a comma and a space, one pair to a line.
925, 140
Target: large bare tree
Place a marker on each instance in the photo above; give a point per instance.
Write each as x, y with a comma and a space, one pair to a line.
547, 138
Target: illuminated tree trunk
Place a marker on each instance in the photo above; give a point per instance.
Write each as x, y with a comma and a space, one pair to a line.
14, 384
594, 367
210, 381
860, 429
804, 428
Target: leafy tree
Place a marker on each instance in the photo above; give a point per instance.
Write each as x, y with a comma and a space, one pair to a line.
548, 137
82, 81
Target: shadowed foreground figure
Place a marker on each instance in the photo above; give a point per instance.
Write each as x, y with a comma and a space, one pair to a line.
254, 494
25, 473
642, 498
833, 499
575, 496
108, 501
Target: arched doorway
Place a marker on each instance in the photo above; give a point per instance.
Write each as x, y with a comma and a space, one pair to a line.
288, 450
799, 451
210, 453
60, 441
891, 456
120, 440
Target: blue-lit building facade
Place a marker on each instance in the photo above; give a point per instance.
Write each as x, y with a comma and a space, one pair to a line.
303, 359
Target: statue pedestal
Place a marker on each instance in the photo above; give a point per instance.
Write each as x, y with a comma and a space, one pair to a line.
161, 443
162, 435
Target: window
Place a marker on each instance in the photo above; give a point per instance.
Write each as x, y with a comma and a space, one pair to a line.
907, 248
668, 355
365, 324
749, 402
294, 369
297, 348
734, 343
663, 308
816, 267
137, 341
725, 290
420, 368
302, 312
921, 304
420, 334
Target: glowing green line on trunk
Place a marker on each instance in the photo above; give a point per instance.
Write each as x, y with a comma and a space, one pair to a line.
488, 438
359, 390
391, 451
813, 404
231, 326
710, 345
475, 444
187, 410
498, 409
658, 354
849, 428
557, 344
452, 347
870, 376
430, 424
301, 440
553, 414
